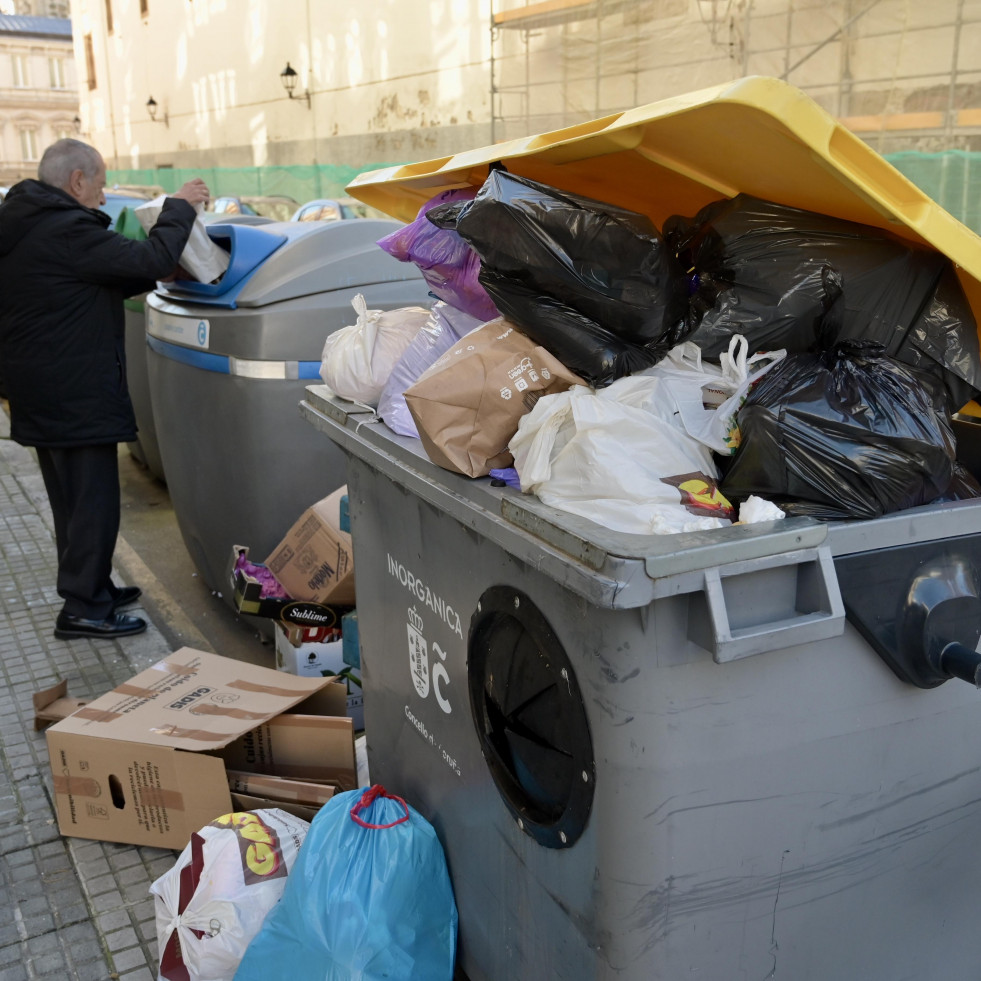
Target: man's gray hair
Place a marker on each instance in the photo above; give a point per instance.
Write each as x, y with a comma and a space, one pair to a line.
64, 157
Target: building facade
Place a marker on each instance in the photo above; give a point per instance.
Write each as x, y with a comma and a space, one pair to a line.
391, 81
38, 91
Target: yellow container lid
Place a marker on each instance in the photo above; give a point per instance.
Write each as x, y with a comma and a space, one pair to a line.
757, 136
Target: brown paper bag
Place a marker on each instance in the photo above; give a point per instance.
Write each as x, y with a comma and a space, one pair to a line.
467, 405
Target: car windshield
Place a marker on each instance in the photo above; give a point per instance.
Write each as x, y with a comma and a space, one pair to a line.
277, 210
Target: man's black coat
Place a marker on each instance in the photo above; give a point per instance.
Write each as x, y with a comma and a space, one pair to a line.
63, 278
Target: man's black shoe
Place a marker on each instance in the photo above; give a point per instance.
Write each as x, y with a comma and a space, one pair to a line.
114, 625
125, 596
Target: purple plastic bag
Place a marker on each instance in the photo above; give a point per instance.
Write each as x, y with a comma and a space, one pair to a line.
507, 475
446, 325
270, 585
448, 264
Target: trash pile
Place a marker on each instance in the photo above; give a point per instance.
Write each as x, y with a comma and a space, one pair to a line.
306, 584
752, 361
300, 869
362, 891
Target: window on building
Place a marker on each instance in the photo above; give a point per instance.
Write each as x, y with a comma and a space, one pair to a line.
56, 72
56, 8
21, 80
109, 16
90, 61
28, 143
144, 8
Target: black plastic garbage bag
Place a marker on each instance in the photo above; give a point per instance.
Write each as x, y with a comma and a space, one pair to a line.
581, 344
590, 282
794, 279
850, 433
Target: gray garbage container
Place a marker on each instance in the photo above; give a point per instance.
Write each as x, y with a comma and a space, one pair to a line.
227, 364
146, 448
673, 757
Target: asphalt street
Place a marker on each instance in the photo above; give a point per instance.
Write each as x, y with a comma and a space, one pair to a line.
152, 555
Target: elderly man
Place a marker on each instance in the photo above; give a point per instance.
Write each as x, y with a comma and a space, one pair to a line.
63, 279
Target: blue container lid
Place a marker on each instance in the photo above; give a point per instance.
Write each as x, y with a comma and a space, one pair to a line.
248, 247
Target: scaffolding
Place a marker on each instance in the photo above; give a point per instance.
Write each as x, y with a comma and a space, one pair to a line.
901, 75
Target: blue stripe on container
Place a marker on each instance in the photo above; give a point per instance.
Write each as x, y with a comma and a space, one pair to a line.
204, 360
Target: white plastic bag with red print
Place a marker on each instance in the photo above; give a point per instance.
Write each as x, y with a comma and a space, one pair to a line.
212, 902
620, 456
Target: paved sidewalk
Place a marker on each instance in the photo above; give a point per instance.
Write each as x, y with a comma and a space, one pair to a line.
72, 908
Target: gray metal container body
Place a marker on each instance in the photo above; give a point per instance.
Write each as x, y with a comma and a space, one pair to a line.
794, 813
145, 448
241, 467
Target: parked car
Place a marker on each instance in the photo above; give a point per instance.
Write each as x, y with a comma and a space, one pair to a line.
335, 209
279, 207
116, 200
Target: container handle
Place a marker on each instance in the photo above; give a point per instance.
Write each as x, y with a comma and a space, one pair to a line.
817, 583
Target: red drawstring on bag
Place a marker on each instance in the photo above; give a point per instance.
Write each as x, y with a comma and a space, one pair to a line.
368, 798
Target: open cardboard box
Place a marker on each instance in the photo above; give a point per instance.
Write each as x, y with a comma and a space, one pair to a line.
54, 704
308, 652
145, 764
315, 561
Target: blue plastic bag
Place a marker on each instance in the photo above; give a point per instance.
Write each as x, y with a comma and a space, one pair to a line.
369, 898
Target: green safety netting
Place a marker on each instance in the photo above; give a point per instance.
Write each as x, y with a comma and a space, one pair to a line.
951, 177
302, 183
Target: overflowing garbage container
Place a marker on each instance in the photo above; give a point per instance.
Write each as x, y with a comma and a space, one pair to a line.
736, 750
227, 365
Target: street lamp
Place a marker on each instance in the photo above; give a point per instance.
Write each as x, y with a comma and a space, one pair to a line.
289, 77
151, 108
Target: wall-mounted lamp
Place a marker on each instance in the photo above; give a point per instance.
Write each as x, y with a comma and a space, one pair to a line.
151, 108
77, 123
288, 77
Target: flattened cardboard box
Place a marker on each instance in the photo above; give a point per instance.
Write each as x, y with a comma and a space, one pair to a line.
315, 561
143, 764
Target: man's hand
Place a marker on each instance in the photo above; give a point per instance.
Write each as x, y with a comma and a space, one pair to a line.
179, 273
194, 191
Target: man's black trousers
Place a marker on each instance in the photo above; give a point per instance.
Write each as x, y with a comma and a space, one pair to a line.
83, 489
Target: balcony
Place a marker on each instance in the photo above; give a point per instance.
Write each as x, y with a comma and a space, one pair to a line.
38, 98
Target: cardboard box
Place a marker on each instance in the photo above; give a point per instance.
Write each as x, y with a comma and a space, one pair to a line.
54, 704
280, 788
245, 802
248, 598
145, 764
315, 561
312, 653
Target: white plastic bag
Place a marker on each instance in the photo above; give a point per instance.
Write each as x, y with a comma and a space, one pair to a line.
358, 360
619, 457
204, 260
756, 509
709, 397
213, 901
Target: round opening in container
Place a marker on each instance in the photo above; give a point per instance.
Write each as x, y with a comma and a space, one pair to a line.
530, 717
